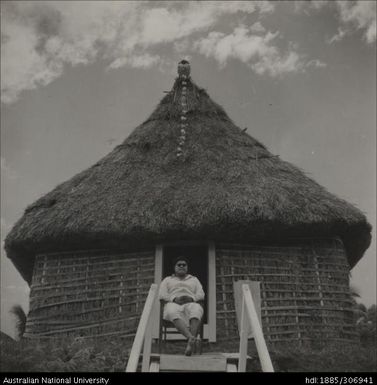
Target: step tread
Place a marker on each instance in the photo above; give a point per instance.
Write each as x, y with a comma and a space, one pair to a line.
200, 363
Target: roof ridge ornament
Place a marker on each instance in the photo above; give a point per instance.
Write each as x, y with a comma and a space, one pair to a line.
184, 69
183, 74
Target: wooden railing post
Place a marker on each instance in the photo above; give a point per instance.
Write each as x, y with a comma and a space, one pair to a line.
243, 338
263, 354
143, 334
147, 347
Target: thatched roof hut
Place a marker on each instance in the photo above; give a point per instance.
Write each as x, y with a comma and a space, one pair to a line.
226, 185
188, 173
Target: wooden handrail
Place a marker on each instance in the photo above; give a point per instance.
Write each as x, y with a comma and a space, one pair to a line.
143, 334
249, 318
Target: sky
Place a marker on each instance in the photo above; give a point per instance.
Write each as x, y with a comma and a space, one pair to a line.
77, 77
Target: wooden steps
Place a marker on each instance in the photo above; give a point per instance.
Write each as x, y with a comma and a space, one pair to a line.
208, 362
180, 363
154, 367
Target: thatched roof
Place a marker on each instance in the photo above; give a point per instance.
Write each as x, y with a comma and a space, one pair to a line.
220, 184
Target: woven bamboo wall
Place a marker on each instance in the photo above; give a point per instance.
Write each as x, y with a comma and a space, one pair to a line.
89, 293
305, 294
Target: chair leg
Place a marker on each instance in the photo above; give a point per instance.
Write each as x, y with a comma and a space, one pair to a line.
160, 339
164, 335
201, 334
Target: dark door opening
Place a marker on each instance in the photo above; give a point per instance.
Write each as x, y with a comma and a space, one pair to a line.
198, 265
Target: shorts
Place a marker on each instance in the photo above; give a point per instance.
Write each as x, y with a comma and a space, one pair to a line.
184, 312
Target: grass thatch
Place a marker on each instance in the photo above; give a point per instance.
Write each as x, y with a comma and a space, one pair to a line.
225, 186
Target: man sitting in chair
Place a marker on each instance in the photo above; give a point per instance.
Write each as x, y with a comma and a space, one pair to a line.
182, 292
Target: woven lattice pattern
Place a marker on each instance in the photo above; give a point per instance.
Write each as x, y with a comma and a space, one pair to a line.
305, 292
89, 293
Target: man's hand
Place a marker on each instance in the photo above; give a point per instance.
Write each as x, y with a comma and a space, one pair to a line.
182, 300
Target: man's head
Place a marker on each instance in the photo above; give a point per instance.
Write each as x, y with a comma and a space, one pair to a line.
181, 266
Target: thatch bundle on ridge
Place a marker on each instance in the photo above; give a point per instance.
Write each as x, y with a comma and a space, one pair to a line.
226, 186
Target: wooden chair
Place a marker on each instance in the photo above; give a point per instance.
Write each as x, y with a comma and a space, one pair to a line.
167, 327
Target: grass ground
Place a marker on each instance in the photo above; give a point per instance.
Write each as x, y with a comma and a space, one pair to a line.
331, 358
111, 355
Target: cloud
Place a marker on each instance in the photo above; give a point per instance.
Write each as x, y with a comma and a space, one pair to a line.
337, 37
360, 15
305, 5
136, 61
39, 39
259, 52
353, 16
257, 27
316, 63
22, 67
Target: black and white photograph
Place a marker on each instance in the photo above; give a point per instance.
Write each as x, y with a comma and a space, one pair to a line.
188, 186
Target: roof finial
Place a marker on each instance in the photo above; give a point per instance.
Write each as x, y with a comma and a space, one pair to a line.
184, 69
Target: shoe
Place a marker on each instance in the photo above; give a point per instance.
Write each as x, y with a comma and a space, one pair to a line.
190, 346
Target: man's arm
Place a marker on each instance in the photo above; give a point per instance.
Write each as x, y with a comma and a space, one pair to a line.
199, 293
164, 293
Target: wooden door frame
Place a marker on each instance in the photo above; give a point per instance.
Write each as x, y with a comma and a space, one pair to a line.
210, 327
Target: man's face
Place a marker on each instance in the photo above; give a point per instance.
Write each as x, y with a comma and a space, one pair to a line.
180, 268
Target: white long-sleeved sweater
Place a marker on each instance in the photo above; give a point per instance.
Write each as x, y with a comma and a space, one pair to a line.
173, 286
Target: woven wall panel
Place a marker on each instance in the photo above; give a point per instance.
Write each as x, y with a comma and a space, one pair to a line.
304, 290
89, 293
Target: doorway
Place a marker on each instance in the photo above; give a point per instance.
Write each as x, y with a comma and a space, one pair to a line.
197, 256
